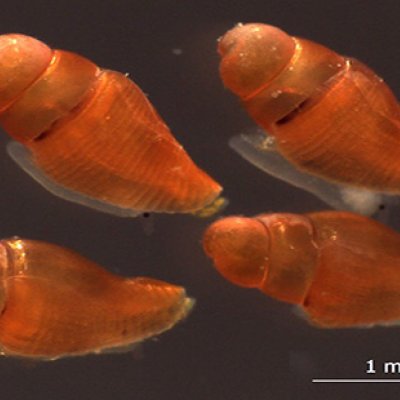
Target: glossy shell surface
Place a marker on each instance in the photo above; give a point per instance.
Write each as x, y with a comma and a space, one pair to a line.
55, 303
342, 269
331, 116
93, 133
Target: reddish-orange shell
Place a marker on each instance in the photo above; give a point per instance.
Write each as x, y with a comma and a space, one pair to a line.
93, 132
342, 269
330, 116
55, 303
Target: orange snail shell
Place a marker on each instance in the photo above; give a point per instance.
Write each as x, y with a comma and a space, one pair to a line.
331, 116
93, 132
54, 303
341, 268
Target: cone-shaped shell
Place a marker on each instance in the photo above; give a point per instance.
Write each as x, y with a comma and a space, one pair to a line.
94, 132
330, 116
342, 269
56, 303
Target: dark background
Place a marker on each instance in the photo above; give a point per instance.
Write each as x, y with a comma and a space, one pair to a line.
237, 343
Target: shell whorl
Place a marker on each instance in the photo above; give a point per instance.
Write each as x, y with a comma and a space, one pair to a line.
92, 136
55, 302
23, 59
272, 72
239, 247
293, 256
275, 253
252, 55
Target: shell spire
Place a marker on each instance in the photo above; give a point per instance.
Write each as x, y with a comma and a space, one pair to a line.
329, 115
90, 135
341, 269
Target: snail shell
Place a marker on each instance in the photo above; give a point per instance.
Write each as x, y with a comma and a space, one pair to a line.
91, 135
341, 268
54, 303
331, 116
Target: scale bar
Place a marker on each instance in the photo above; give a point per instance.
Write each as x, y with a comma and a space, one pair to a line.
356, 380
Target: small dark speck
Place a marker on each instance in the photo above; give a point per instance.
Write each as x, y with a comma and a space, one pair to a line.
382, 206
146, 215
